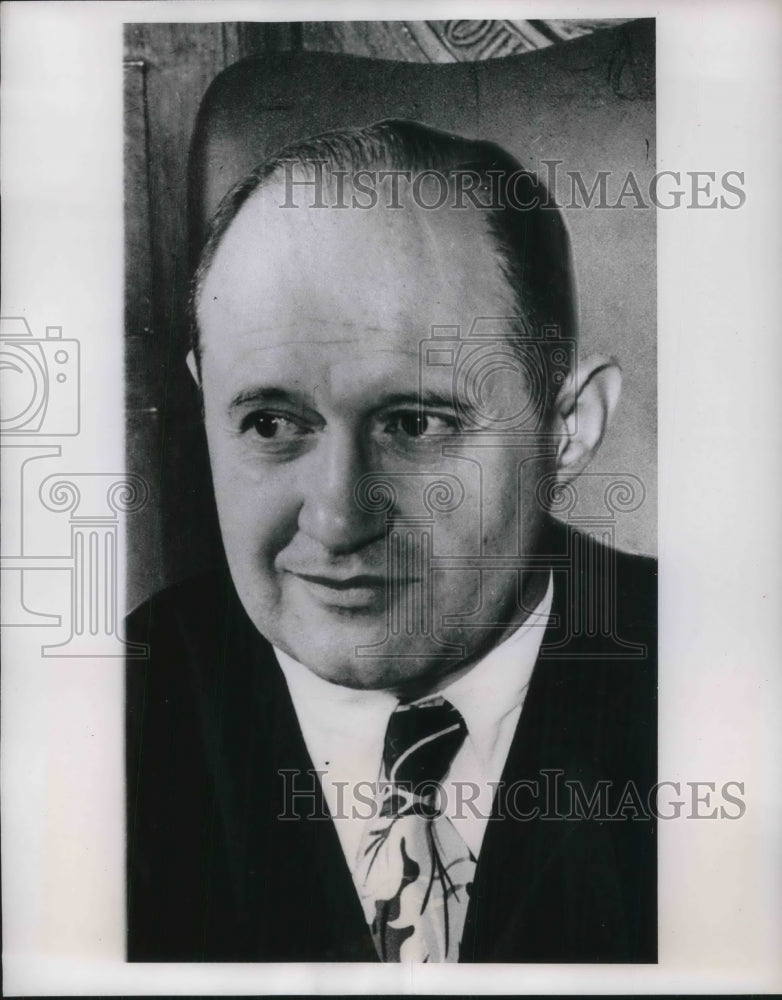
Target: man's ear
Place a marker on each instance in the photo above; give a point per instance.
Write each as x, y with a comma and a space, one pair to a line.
192, 364
582, 411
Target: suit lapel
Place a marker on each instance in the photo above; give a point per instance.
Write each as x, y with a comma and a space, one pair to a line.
319, 905
277, 864
544, 889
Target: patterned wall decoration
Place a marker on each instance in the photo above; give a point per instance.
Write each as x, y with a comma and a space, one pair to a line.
470, 41
444, 41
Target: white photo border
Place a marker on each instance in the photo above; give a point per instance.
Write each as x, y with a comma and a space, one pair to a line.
720, 888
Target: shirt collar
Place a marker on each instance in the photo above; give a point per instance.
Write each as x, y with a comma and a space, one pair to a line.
497, 684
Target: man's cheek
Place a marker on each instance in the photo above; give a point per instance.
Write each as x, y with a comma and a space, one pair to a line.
259, 526
455, 591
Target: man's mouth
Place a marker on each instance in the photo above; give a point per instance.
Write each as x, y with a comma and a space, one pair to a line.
362, 590
361, 580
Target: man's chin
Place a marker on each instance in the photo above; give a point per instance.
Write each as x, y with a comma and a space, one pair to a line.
366, 658
402, 675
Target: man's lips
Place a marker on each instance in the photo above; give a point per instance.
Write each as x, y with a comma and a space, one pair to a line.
361, 590
344, 583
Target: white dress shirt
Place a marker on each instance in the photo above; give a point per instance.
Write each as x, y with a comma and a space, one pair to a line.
344, 731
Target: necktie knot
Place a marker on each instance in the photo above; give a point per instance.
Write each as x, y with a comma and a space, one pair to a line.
421, 742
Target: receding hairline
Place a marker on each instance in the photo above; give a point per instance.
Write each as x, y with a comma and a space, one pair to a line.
340, 171
431, 223
532, 248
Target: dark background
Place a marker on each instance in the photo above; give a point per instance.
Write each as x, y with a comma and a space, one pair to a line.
578, 91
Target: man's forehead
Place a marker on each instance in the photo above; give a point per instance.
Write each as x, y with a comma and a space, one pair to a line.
376, 256
354, 204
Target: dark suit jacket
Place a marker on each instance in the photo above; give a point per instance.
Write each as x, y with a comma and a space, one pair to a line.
214, 873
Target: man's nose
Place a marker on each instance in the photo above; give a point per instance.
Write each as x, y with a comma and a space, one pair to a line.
330, 513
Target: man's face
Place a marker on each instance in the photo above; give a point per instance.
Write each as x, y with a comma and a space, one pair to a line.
315, 333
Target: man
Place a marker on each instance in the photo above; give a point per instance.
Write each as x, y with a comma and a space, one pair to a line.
404, 723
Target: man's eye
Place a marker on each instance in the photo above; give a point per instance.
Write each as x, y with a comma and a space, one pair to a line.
270, 426
416, 424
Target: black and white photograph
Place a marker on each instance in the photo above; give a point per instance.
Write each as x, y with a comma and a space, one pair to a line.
385, 564
415, 699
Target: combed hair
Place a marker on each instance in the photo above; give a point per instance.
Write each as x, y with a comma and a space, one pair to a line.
532, 243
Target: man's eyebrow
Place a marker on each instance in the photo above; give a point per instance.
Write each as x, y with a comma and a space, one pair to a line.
419, 399
263, 394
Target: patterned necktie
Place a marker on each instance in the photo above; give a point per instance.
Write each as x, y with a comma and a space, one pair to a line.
415, 871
